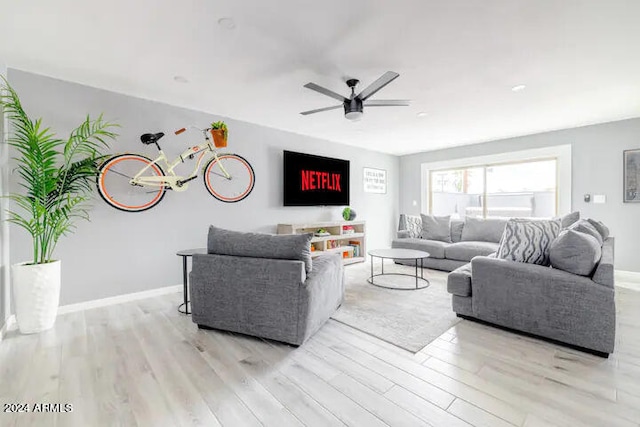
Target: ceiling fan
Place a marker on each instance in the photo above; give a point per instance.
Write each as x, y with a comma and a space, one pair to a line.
353, 106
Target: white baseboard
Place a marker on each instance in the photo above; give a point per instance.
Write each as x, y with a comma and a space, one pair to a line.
628, 279
103, 302
10, 323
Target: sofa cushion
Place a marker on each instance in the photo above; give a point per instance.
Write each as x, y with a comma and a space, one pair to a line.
600, 227
434, 247
459, 281
575, 252
483, 230
465, 251
584, 226
436, 228
528, 240
456, 230
412, 224
569, 219
259, 245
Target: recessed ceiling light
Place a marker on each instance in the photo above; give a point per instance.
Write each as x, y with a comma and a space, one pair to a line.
180, 79
422, 114
227, 23
518, 88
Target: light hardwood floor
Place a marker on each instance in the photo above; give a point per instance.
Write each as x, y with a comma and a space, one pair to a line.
142, 363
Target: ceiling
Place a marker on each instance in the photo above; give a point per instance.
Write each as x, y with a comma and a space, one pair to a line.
457, 59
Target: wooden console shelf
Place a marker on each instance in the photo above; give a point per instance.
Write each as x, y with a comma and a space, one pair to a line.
352, 245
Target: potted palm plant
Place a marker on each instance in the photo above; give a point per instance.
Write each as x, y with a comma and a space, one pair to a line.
57, 178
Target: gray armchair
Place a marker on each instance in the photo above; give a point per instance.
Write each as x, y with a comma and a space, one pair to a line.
264, 285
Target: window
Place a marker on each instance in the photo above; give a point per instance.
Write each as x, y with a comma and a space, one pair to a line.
517, 189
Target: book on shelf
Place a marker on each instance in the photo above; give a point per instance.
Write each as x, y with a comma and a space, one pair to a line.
356, 247
348, 229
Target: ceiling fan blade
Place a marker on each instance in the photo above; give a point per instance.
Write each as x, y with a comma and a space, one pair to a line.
325, 91
384, 80
320, 110
388, 103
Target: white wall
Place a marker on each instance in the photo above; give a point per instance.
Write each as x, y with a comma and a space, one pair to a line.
4, 227
596, 153
118, 252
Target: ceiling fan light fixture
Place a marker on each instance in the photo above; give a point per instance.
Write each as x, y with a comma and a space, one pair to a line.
353, 115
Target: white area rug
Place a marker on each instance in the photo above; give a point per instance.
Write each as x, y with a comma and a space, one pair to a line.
407, 319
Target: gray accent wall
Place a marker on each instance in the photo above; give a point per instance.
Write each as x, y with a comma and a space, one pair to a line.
596, 169
4, 226
119, 253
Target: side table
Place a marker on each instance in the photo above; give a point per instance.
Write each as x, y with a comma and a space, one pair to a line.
186, 253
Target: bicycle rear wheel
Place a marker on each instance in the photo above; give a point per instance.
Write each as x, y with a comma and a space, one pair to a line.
240, 182
115, 188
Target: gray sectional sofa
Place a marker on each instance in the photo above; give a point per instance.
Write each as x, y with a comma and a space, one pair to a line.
471, 238
264, 285
574, 309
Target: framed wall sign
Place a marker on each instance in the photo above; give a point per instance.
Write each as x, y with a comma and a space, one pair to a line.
632, 176
375, 180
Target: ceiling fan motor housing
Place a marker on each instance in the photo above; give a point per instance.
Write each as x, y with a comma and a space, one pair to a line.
353, 106
353, 109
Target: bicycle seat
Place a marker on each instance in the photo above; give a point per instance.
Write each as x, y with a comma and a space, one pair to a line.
151, 138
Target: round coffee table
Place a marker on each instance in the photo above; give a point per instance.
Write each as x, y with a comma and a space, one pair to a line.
402, 254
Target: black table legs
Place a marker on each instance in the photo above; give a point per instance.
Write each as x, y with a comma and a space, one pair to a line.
185, 278
421, 282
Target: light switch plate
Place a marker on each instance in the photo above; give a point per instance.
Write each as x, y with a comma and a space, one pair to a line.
599, 198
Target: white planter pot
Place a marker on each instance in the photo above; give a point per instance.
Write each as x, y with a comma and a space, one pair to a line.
36, 293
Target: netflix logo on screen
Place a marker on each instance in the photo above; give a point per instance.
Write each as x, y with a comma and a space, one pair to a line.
314, 180
311, 180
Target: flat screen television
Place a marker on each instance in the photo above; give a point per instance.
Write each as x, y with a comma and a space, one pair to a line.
314, 180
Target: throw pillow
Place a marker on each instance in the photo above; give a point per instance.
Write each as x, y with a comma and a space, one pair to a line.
584, 226
600, 227
483, 230
412, 224
575, 252
259, 245
436, 228
568, 219
528, 240
456, 230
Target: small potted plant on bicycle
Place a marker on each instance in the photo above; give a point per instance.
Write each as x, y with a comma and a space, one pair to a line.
220, 134
57, 178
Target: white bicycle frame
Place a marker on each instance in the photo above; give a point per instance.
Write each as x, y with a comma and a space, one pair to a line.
170, 179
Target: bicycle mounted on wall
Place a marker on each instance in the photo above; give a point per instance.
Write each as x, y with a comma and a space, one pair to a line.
134, 183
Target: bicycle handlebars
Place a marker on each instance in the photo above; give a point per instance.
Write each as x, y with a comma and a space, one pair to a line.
179, 131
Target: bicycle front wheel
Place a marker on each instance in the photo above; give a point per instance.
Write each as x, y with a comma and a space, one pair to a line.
115, 187
234, 185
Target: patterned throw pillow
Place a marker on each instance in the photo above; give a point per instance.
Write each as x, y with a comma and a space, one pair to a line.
413, 224
528, 240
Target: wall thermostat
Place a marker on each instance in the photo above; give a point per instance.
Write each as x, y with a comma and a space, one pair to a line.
587, 198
